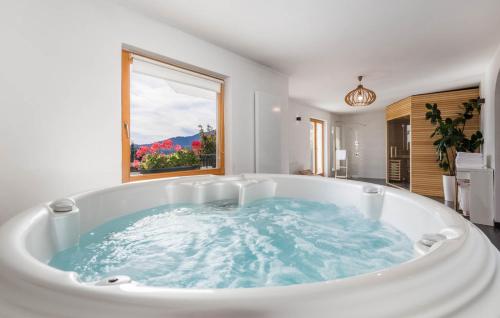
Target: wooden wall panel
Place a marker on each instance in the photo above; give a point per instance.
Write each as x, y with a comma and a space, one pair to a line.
398, 109
426, 177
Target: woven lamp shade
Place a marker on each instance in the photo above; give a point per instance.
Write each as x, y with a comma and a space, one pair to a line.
360, 96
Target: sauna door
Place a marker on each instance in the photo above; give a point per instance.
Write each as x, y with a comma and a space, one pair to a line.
398, 152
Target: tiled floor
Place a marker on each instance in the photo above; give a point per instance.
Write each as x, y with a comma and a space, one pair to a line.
491, 232
371, 180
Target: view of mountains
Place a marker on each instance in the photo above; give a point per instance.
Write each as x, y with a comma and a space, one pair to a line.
183, 141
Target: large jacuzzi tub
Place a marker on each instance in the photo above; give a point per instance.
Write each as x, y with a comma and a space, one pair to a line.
454, 271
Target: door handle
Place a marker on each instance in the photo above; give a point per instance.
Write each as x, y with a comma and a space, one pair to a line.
127, 131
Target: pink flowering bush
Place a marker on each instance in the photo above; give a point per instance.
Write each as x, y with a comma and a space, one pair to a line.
155, 147
167, 144
151, 158
196, 146
135, 164
141, 152
164, 154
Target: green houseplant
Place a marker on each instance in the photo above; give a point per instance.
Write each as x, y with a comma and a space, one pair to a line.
208, 139
451, 138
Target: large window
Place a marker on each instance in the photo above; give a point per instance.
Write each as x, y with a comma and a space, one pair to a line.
172, 120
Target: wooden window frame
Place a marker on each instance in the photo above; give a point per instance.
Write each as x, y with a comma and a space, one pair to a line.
315, 122
125, 128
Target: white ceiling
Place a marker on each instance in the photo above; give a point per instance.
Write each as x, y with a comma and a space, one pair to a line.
403, 47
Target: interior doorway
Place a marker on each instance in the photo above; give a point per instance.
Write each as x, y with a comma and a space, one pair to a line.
317, 143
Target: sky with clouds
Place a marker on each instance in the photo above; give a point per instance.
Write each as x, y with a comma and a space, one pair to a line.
161, 109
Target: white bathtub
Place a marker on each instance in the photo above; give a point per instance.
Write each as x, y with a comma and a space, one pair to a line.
455, 277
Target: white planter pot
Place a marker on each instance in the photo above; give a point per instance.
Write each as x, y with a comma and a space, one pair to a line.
449, 188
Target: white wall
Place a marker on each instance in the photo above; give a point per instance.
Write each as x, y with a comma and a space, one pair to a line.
369, 128
298, 135
60, 111
490, 116
270, 135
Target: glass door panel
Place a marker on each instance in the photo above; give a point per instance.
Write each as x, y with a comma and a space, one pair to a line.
398, 152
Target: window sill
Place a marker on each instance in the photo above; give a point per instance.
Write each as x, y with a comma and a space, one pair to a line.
140, 177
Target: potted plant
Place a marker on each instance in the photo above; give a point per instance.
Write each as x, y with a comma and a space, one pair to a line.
451, 138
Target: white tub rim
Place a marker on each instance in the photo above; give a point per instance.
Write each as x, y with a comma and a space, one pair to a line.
58, 279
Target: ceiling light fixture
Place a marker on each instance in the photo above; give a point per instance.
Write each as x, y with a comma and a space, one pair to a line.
360, 96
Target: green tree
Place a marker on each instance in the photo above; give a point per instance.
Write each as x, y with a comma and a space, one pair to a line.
208, 140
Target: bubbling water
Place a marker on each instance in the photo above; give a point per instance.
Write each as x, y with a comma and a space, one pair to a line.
270, 242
